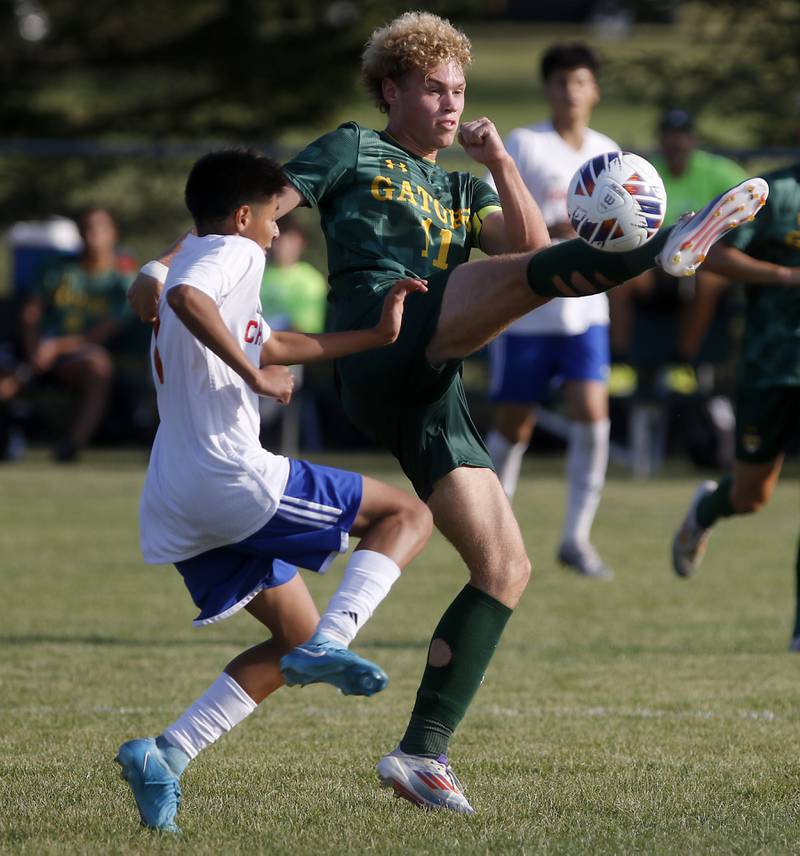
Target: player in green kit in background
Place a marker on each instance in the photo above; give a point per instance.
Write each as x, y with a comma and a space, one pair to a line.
388, 212
765, 255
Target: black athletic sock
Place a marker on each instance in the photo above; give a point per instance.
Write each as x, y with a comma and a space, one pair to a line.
552, 272
460, 651
716, 504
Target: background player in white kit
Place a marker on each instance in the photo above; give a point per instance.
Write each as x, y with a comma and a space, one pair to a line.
235, 519
566, 339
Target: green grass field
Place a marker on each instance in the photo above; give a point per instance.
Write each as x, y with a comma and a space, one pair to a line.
648, 715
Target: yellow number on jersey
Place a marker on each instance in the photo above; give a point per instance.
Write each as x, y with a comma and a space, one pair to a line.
446, 237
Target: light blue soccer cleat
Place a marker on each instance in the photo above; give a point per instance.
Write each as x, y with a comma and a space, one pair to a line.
153, 782
322, 661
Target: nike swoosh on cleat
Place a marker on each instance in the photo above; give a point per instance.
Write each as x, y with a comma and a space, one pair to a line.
144, 765
312, 653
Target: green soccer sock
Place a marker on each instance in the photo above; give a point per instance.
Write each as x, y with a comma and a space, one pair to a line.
551, 271
460, 651
796, 631
716, 504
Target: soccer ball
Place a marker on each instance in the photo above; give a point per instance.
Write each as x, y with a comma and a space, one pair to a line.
616, 201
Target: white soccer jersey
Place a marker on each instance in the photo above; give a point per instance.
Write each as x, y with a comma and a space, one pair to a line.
209, 481
546, 164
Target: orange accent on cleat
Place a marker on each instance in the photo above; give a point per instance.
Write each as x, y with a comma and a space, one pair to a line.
686, 249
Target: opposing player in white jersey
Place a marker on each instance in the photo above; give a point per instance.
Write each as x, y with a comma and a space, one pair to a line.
234, 518
566, 339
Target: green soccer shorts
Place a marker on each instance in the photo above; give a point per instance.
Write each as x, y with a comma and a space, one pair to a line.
397, 399
766, 420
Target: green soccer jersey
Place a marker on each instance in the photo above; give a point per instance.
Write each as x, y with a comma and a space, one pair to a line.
770, 353
75, 300
706, 176
386, 213
295, 294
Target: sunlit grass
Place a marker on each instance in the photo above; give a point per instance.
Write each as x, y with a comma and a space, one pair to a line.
648, 715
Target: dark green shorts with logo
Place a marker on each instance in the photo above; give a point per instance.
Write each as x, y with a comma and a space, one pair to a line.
418, 412
766, 420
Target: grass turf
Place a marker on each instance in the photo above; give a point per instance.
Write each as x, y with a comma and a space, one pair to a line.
649, 715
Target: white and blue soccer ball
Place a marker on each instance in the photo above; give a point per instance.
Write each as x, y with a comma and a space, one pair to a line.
616, 201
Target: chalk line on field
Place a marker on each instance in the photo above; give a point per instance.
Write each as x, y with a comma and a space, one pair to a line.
58, 709
602, 712
554, 711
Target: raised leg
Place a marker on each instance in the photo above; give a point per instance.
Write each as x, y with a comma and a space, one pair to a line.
483, 297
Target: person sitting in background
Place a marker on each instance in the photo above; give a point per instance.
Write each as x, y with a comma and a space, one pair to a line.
691, 177
74, 310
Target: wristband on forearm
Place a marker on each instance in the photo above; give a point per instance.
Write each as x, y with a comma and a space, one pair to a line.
156, 269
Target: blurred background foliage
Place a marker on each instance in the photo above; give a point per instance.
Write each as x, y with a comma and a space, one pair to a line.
729, 58
109, 103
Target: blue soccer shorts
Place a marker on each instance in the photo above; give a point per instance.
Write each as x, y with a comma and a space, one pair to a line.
310, 528
523, 367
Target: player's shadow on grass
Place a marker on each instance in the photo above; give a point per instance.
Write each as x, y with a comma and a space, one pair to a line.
44, 639
51, 639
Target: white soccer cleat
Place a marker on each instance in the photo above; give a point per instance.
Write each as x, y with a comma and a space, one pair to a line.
426, 782
694, 235
691, 539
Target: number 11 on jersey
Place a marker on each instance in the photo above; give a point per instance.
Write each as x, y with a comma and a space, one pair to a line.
446, 237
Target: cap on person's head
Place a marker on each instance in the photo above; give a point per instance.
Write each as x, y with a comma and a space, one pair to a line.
676, 119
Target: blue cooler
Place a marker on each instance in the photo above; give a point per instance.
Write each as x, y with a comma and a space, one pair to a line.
33, 243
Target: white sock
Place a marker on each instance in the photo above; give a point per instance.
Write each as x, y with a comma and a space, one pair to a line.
223, 705
507, 460
587, 460
366, 582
